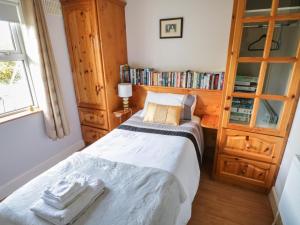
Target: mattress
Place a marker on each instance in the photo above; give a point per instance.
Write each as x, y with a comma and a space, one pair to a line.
172, 152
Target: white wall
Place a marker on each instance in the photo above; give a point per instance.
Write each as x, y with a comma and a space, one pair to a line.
292, 148
205, 34
23, 142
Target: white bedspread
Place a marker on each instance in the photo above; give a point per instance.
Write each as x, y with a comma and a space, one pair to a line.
133, 195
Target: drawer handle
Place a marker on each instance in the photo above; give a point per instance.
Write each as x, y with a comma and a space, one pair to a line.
266, 150
98, 89
247, 142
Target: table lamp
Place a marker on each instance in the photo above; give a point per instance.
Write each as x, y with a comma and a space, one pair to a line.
125, 91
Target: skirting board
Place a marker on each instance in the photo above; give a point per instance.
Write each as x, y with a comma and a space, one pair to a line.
273, 199
14, 184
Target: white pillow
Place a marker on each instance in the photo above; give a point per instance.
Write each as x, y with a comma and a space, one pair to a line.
162, 99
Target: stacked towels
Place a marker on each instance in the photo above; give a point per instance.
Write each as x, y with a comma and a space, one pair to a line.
64, 202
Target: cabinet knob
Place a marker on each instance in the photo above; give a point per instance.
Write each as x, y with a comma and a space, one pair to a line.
293, 96
98, 88
247, 142
226, 108
228, 97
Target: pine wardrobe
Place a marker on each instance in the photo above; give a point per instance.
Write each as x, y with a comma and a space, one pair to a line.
96, 38
261, 92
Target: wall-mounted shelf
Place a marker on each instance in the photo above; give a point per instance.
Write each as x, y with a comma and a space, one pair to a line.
175, 88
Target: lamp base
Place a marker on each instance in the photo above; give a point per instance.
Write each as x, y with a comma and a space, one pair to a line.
126, 103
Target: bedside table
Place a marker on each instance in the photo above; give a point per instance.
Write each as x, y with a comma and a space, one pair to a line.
123, 114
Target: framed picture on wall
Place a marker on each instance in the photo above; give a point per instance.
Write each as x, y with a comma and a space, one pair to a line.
171, 27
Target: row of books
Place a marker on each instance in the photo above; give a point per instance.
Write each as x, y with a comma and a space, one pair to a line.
245, 84
187, 79
241, 110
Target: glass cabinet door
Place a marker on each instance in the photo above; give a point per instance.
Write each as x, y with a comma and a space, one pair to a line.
263, 75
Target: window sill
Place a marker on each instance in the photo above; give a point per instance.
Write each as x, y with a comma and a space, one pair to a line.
18, 115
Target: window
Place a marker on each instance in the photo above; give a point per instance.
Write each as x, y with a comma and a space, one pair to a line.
16, 90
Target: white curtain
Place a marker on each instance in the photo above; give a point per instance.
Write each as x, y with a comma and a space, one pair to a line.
43, 68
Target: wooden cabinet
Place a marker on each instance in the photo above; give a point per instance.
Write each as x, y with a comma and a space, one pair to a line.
92, 117
261, 89
91, 134
248, 171
96, 37
252, 146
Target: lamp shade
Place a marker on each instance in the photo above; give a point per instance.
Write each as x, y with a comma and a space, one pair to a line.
125, 90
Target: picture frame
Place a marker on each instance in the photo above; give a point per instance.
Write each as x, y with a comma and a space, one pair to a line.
171, 28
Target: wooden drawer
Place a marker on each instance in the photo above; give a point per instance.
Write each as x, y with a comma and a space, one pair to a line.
252, 146
95, 118
245, 171
91, 134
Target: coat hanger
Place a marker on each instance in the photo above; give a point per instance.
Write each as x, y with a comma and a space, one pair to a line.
275, 44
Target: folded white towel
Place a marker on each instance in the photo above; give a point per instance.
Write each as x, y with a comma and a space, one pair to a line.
65, 191
66, 188
75, 209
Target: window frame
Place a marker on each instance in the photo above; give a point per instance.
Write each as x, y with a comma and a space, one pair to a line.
19, 54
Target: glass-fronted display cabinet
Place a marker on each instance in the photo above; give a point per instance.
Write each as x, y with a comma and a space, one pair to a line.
264, 71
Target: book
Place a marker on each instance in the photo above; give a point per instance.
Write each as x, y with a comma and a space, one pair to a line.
244, 89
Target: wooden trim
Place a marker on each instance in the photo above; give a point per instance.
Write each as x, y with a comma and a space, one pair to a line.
250, 59
229, 59
255, 19
243, 95
262, 96
237, 36
274, 97
292, 16
281, 17
267, 59
275, 4
293, 93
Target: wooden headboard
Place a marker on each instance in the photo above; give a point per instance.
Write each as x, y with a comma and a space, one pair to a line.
208, 101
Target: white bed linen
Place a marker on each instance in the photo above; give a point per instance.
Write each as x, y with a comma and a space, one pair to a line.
171, 153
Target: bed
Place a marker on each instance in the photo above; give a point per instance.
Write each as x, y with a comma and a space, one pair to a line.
137, 152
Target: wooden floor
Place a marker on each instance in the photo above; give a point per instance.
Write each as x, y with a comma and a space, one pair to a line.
217, 203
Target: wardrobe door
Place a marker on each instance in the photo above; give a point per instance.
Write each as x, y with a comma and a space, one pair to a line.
83, 42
